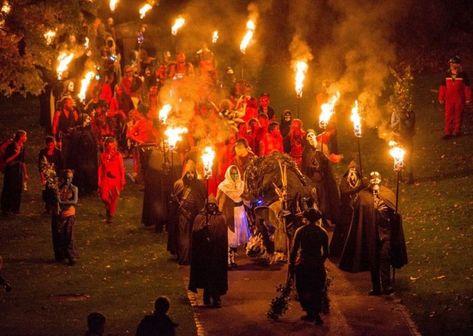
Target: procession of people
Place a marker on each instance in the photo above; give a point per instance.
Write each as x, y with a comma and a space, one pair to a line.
268, 190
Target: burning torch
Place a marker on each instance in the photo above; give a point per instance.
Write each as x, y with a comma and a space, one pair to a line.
144, 9
178, 24
215, 36
84, 84
208, 157
250, 30
301, 70
113, 4
356, 119
164, 113
397, 154
64, 60
327, 110
173, 136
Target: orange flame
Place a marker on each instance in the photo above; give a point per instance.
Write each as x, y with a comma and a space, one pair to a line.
215, 36
356, 119
178, 24
250, 30
113, 5
328, 110
397, 154
49, 36
301, 69
208, 157
64, 60
174, 135
84, 84
144, 9
164, 113
6, 7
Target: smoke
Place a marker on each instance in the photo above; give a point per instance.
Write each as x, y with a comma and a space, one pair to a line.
360, 54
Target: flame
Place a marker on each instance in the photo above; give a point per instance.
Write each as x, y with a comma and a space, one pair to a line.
144, 9
180, 21
164, 113
84, 84
113, 5
356, 119
215, 36
6, 8
208, 157
397, 154
174, 135
64, 60
250, 30
328, 110
49, 36
86, 43
301, 69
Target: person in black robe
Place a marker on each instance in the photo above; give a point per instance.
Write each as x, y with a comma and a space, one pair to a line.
64, 122
158, 177
50, 167
317, 166
14, 174
209, 254
375, 240
350, 185
83, 157
306, 261
189, 194
285, 127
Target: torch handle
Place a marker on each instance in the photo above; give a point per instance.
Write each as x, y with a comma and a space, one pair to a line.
359, 157
397, 188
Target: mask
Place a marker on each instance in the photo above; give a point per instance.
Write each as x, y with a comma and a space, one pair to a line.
312, 139
212, 208
352, 178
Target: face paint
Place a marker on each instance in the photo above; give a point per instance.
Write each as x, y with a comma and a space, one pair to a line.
190, 175
212, 208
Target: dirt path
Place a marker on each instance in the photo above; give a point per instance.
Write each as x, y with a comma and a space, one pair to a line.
253, 286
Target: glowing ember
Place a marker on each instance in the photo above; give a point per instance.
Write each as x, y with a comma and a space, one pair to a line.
6, 7
174, 135
356, 119
301, 69
328, 110
250, 30
49, 36
397, 154
180, 21
215, 36
144, 10
84, 84
164, 113
208, 157
113, 4
64, 60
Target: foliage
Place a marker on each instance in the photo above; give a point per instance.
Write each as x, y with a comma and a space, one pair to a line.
25, 54
401, 99
280, 303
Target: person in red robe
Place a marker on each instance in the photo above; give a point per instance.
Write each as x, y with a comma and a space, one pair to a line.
296, 137
111, 177
272, 140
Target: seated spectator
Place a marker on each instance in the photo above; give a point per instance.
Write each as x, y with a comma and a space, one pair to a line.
159, 323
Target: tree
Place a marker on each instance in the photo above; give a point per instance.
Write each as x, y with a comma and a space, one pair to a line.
28, 56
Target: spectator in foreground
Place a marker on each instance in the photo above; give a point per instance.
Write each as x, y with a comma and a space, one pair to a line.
159, 322
95, 324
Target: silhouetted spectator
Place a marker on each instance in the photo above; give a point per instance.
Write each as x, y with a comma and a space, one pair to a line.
159, 323
95, 324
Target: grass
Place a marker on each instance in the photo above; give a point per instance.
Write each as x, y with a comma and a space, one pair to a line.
122, 269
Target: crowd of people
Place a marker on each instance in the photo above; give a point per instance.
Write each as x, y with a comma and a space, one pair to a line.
208, 216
